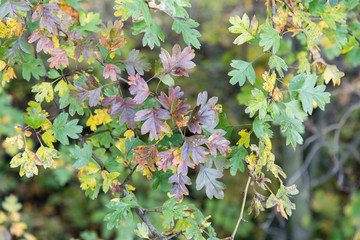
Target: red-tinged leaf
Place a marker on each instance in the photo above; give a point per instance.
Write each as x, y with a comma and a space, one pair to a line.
147, 156
85, 49
59, 57
182, 165
177, 107
179, 61
111, 70
192, 145
179, 189
47, 18
138, 87
204, 113
91, 88
152, 123
217, 142
112, 39
166, 158
134, 62
117, 104
44, 42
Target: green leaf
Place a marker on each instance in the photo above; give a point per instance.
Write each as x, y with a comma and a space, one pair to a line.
89, 22
245, 71
188, 31
35, 119
32, 66
172, 210
74, 107
27, 161
142, 230
64, 129
53, 74
242, 26
270, 39
121, 210
237, 161
278, 63
11, 204
82, 156
261, 127
108, 178
152, 34
304, 85
293, 128
257, 104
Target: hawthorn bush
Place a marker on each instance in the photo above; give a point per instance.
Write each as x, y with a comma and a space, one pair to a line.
120, 115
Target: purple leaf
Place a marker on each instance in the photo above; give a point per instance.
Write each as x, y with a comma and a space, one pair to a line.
152, 123
180, 60
138, 87
217, 142
204, 113
179, 189
47, 18
192, 145
117, 104
177, 107
133, 62
166, 159
91, 88
182, 165
44, 42
111, 70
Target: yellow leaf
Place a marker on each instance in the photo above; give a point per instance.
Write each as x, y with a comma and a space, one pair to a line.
245, 138
18, 228
269, 81
91, 168
49, 138
2, 65
44, 92
112, 55
92, 123
147, 172
130, 187
7, 75
47, 155
332, 73
61, 88
120, 9
101, 117
46, 125
87, 181
56, 42
15, 140
27, 161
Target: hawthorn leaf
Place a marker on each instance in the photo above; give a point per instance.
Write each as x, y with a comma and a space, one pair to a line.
135, 63
47, 155
35, 119
91, 88
121, 210
217, 142
147, 156
138, 87
188, 31
59, 57
204, 113
178, 62
270, 39
109, 178
179, 189
333, 73
257, 104
32, 66
152, 123
44, 91
82, 155
111, 70
182, 165
242, 26
304, 85
27, 161
178, 108
237, 161
245, 71
89, 22
112, 36
64, 129
192, 145
261, 127
207, 177
117, 104
166, 158
278, 63
44, 43
12, 8
47, 18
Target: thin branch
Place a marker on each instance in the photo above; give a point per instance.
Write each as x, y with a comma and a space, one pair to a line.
129, 176
242, 209
94, 156
152, 210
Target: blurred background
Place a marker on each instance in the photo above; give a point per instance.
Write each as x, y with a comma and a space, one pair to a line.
326, 167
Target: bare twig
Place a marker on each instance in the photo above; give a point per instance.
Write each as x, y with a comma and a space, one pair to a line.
242, 208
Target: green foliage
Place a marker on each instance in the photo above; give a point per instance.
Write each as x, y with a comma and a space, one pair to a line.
64, 129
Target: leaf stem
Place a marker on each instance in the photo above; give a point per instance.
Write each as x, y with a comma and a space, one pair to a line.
242, 208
